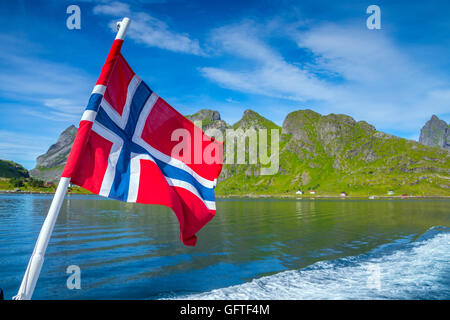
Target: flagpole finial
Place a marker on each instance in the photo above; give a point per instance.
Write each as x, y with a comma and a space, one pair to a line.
122, 27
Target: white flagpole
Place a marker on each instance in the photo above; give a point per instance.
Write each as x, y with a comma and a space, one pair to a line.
37, 258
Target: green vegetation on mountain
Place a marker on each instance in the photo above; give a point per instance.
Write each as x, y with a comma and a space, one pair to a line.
15, 177
334, 153
10, 169
23, 183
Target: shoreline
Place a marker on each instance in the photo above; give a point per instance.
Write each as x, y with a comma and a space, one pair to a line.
42, 192
275, 196
306, 197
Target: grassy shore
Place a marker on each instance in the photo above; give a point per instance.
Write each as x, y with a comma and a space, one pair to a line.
314, 197
73, 190
78, 190
7, 187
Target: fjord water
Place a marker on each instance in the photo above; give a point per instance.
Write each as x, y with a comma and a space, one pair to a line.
267, 248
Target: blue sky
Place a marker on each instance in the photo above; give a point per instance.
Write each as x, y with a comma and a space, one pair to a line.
270, 56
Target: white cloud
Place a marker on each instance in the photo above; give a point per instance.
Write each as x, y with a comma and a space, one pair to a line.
148, 30
271, 75
31, 76
112, 9
368, 76
440, 94
357, 54
51, 115
47, 88
21, 147
63, 105
382, 83
36, 94
231, 100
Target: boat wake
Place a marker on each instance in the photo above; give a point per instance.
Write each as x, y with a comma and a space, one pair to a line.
419, 269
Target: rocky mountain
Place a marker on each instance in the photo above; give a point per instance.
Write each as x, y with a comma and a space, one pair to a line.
435, 133
251, 119
210, 119
49, 165
10, 169
335, 153
326, 153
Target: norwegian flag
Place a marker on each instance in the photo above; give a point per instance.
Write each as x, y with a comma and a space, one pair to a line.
123, 150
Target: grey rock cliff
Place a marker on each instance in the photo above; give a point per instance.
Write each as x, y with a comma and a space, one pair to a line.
210, 120
205, 115
435, 133
50, 164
